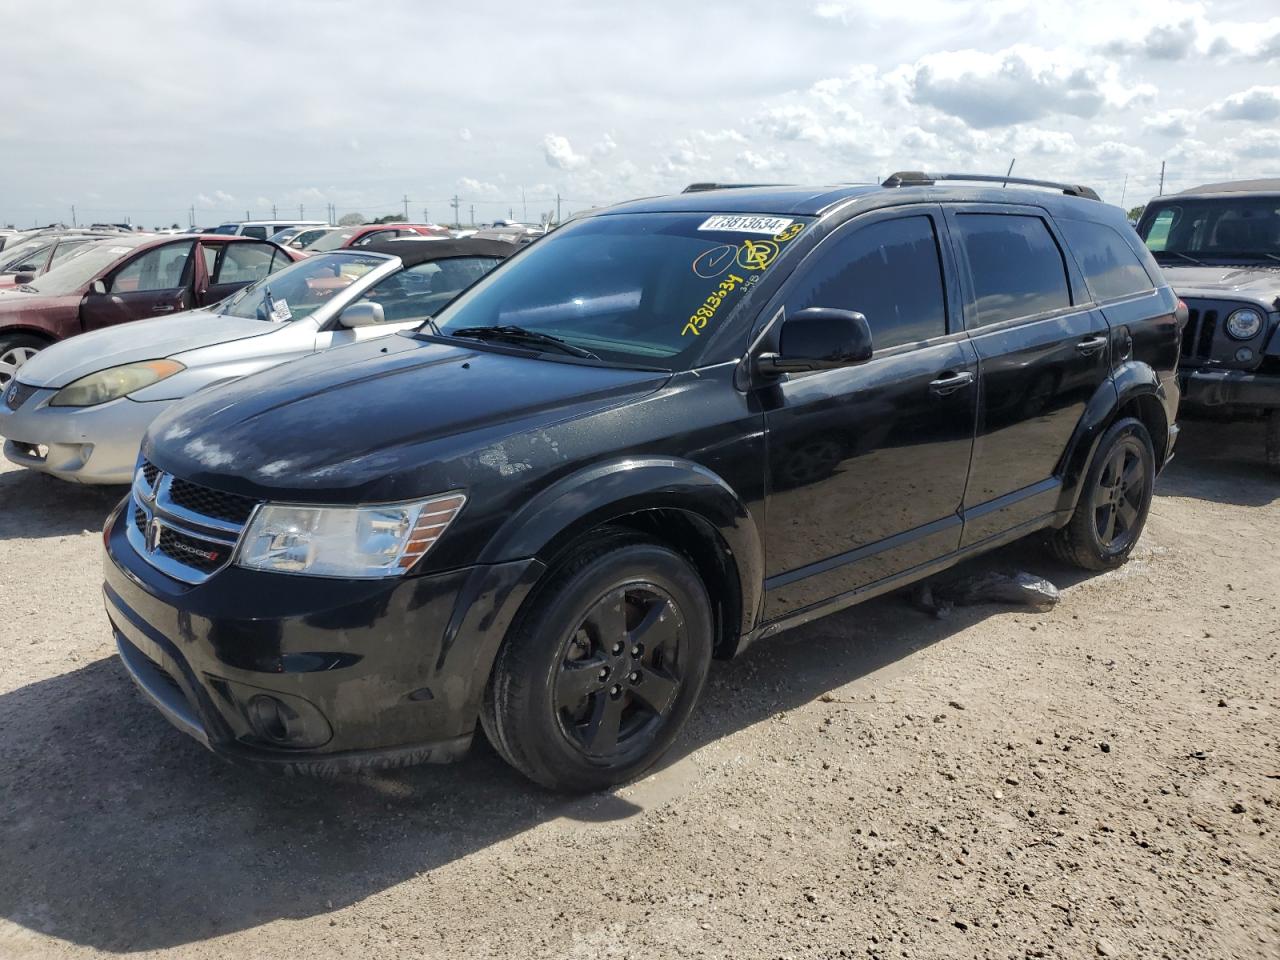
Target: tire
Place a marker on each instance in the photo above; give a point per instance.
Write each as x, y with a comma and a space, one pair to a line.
1112, 510
15, 350
601, 670
1273, 440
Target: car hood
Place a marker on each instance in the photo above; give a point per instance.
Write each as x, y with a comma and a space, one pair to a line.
87, 353
384, 420
1251, 282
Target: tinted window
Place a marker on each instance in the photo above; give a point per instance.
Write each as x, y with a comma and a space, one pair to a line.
1016, 265
244, 263
1234, 227
258, 233
1110, 266
158, 269
887, 271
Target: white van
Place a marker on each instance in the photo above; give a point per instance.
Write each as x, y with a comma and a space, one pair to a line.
262, 229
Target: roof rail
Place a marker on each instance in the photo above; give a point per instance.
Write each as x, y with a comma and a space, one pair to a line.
914, 178
700, 187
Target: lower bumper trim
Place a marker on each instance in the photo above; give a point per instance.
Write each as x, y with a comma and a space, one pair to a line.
1212, 388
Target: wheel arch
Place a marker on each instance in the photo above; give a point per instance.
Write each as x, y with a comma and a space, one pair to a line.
22, 329
1134, 390
678, 503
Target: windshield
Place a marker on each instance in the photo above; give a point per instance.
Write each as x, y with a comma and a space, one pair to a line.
333, 240
301, 289
12, 257
70, 275
1232, 228
632, 288
228, 228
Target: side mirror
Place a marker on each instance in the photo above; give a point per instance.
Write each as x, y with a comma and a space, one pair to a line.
99, 287
21, 278
363, 314
819, 339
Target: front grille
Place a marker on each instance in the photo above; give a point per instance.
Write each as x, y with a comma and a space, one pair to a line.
230, 507
18, 394
183, 529
1197, 336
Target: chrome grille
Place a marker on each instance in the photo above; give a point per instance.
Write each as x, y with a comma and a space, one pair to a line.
18, 394
185, 530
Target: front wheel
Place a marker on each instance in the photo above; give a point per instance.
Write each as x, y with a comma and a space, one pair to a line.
603, 668
15, 350
1114, 500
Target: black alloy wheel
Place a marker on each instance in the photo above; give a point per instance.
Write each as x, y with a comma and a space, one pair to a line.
620, 672
1115, 497
603, 665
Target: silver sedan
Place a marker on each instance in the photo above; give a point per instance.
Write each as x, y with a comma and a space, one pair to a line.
79, 408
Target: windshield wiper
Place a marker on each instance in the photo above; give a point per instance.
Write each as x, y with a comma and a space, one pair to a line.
1175, 253
509, 333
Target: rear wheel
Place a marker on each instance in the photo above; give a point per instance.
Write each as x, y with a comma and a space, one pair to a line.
602, 670
15, 350
1273, 440
1114, 500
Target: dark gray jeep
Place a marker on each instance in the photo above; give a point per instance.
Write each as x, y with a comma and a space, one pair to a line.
1219, 245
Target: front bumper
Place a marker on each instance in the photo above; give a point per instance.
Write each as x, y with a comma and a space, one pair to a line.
81, 444
308, 674
1236, 388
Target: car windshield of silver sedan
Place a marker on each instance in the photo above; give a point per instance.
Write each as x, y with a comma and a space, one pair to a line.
1227, 228
643, 288
301, 289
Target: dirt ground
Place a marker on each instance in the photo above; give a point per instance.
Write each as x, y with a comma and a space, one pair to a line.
1100, 779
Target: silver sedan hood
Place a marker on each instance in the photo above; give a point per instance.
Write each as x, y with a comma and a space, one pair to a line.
64, 362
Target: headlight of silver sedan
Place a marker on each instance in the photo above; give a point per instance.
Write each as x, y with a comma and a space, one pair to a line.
114, 383
1244, 324
384, 540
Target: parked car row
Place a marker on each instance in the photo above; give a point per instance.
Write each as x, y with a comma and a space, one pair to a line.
536, 488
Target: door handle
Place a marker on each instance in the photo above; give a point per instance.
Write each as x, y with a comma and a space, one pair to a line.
949, 383
163, 308
1091, 345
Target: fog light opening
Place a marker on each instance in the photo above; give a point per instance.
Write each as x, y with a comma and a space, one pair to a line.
270, 718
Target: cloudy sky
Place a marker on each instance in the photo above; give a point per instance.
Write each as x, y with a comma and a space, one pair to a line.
149, 108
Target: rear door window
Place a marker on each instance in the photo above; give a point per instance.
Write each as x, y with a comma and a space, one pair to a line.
245, 263
888, 271
1015, 264
1110, 266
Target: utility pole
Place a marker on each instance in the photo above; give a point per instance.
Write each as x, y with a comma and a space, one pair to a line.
1161, 193
246, 215
473, 214
191, 215
1124, 190
457, 217
300, 215
557, 207
73, 214
425, 217
274, 214
406, 208
524, 208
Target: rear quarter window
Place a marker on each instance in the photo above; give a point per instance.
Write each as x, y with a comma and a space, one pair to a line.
1015, 265
1111, 268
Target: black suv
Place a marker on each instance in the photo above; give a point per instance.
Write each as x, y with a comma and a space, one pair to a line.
664, 431
1219, 245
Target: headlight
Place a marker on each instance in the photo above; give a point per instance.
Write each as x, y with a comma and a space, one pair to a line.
1244, 324
114, 382
360, 542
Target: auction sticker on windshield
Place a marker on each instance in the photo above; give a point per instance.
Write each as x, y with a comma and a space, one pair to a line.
280, 311
745, 223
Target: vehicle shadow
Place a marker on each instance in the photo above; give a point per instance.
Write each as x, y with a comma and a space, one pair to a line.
1221, 461
35, 505
121, 834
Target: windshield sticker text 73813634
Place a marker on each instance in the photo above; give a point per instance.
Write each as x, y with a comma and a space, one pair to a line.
737, 266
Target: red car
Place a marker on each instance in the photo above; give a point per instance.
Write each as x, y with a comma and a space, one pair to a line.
368, 233
128, 278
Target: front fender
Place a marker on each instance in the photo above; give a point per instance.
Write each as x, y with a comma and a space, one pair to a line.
615, 488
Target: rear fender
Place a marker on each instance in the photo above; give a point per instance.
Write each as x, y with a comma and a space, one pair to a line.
607, 491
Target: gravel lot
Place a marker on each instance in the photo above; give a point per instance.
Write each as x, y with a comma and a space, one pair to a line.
1100, 779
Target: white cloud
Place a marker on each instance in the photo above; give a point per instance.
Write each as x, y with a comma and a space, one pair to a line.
464, 134
1257, 104
1170, 123
474, 189
559, 153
